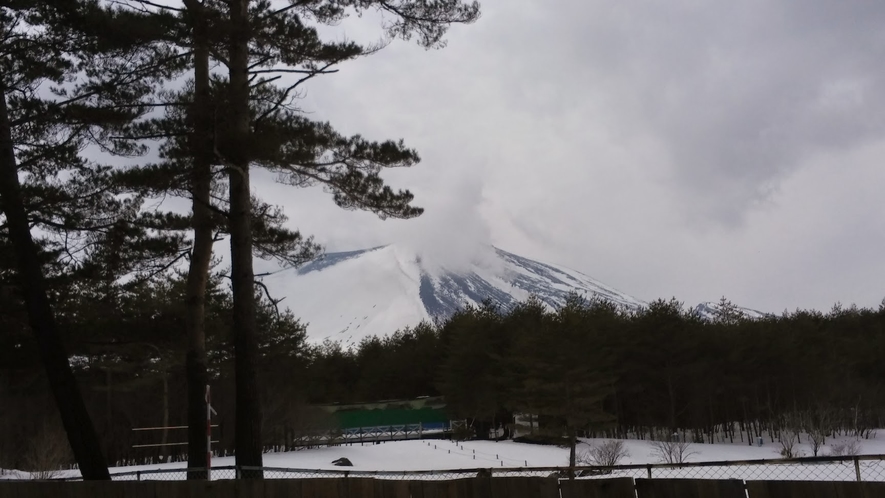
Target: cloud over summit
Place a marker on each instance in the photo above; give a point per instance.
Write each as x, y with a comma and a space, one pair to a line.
679, 148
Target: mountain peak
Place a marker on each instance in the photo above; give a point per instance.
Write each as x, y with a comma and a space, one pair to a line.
346, 296
354, 294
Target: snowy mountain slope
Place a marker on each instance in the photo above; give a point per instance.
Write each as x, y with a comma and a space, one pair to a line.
710, 311
346, 296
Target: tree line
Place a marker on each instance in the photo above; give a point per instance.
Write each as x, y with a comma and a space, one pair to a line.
592, 368
660, 366
210, 86
115, 314
129, 360
587, 369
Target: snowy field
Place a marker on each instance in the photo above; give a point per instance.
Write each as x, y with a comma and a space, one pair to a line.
502, 456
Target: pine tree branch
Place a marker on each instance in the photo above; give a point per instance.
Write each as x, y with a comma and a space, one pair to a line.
137, 282
149, 137
101, 88
211, 206
356, 199
274, 302
285, 93
292, 5
219, 56
227, 164
145, 2
294, 71
260, 62
70, 227
263, 81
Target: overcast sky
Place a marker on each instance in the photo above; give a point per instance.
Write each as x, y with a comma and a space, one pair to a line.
679, 148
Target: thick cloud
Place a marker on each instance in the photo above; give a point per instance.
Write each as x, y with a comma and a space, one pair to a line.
667, 148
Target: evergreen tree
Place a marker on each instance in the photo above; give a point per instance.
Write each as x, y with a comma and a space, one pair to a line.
77, 48
189, 172
273, 36
471, 377
201, 161
727, 312
260, 38
561, 371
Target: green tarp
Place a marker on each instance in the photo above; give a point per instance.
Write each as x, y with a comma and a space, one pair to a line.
427, 411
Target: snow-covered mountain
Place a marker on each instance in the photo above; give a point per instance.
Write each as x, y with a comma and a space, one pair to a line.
346, 296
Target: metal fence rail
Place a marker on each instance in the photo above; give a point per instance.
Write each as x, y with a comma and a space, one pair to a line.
865, 468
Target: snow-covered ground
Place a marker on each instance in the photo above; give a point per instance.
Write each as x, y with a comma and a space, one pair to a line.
13, 474
444, 455
447, 455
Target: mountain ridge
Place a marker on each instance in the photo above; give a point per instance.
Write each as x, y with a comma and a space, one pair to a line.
346, 296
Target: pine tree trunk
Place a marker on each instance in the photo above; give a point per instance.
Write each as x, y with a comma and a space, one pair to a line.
78, 426
109, 387
202, 152
482, 429
248, 409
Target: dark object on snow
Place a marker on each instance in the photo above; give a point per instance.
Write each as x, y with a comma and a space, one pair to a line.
342, 462
484, 473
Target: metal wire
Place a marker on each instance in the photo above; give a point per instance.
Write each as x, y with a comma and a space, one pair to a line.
869, 468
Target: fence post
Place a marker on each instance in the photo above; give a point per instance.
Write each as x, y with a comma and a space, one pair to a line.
649, 471
857, 468
138, 475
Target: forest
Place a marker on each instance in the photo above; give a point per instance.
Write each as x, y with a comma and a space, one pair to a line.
588, 368
129, 134
129, 131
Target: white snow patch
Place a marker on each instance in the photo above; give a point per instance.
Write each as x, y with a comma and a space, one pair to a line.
448, 455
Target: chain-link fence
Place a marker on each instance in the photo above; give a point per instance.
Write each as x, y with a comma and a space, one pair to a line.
868, 468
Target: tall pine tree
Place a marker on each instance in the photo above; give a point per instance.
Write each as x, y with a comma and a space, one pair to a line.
259, 42
70, 73
261, 38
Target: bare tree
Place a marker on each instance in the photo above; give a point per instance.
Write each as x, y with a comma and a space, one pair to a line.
605, 454
818, 438
47, 453
818, 429
787, 441
672, 452
846, 448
